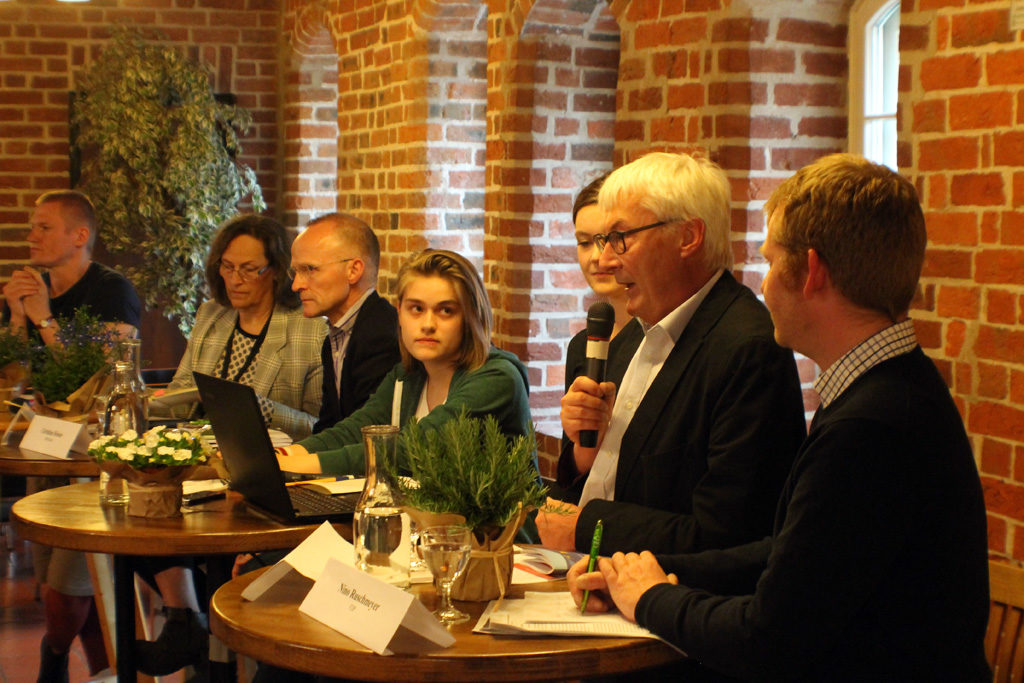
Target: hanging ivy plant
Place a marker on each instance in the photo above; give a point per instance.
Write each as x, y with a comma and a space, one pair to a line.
158, 159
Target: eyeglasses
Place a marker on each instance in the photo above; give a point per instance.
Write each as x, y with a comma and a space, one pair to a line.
617, 238
308, 270
245, 273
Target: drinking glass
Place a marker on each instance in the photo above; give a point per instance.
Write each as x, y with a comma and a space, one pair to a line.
446, 552
416, 562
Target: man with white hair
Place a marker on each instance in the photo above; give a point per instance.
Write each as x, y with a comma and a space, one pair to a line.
696, 437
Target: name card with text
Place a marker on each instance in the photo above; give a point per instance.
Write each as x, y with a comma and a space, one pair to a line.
376, 615
52, 436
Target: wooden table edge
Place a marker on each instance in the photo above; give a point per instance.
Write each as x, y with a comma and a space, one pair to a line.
608, 656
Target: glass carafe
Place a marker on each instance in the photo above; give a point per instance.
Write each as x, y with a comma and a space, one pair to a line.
380, 527
125, 408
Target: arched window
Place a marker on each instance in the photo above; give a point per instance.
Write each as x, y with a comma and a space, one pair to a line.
874, 75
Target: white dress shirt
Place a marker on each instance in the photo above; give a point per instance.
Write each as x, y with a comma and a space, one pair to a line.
659, 340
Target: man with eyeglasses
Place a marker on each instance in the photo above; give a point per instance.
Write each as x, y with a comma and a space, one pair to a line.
696, 435
334, 270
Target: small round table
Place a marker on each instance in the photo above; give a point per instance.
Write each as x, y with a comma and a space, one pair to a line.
71, 517
274, 631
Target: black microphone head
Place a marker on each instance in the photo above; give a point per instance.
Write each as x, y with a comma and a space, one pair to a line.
600, 320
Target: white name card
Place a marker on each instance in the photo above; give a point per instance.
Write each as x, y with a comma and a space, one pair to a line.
307, 559
51, 436
376, 615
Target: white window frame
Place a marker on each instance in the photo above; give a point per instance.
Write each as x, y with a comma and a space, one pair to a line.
869, 47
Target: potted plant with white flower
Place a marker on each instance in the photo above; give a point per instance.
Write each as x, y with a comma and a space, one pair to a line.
154, 465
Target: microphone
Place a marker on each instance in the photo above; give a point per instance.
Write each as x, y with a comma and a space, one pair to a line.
600, 321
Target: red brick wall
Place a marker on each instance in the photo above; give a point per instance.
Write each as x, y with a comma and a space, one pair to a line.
309, 116
962, 141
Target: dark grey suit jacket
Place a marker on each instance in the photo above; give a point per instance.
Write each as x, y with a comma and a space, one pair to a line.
705, 456
371, 352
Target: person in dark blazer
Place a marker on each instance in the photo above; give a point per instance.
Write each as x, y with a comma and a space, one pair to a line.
334, 270
877, 567
697, 431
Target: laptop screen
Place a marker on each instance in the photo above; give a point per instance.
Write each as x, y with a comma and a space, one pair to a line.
244, 443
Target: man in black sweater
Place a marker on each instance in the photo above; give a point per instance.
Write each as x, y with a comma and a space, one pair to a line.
876, 568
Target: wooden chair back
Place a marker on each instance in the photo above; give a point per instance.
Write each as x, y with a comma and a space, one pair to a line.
1004, 639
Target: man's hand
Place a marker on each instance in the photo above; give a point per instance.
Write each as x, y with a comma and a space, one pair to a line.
629, 576
558, 529
35, 299
18, 288
587, 405
579, 580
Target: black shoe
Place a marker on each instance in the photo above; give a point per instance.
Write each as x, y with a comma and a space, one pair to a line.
53, 667
183, 641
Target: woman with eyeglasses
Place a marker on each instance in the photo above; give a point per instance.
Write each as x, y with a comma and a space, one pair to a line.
253, 330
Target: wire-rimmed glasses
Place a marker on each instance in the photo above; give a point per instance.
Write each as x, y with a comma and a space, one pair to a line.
246, 273
308, 270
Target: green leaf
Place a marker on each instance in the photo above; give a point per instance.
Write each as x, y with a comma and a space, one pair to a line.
158, 160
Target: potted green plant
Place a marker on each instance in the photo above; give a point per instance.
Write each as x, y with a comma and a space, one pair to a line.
469, 472
158, 158
66, 376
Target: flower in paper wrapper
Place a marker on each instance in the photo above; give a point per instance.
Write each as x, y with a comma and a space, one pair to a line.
154, 464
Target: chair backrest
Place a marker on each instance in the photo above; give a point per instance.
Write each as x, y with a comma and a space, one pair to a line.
1004, 639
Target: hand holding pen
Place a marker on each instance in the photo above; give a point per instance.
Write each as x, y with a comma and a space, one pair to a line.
619, 582
595, 546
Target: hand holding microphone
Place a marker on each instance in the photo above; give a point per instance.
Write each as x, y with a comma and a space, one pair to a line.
600, 323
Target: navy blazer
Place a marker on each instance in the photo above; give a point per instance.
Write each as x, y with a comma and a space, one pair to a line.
705, 456
371, 352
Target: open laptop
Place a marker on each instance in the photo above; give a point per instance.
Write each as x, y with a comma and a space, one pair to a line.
242, 438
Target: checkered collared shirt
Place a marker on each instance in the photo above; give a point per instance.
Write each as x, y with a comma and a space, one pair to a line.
893, 341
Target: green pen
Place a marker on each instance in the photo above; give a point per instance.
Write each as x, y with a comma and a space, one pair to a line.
595, 545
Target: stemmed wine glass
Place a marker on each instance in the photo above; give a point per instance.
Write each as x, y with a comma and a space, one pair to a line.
446, 552
416, 562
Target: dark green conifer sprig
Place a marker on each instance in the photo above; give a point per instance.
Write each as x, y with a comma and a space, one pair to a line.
470, 467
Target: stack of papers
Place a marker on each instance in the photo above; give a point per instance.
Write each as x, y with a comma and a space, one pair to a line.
553, 614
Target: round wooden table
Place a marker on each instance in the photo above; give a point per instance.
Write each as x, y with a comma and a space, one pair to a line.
71, 517
274, 631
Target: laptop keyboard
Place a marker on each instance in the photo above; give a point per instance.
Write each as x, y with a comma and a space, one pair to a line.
306, 502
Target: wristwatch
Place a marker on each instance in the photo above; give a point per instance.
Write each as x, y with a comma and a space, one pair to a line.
43, 324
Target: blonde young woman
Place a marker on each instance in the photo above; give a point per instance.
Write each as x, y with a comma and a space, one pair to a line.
448, 364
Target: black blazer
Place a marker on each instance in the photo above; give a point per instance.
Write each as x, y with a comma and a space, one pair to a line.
704, 458
877, 569
371, 352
